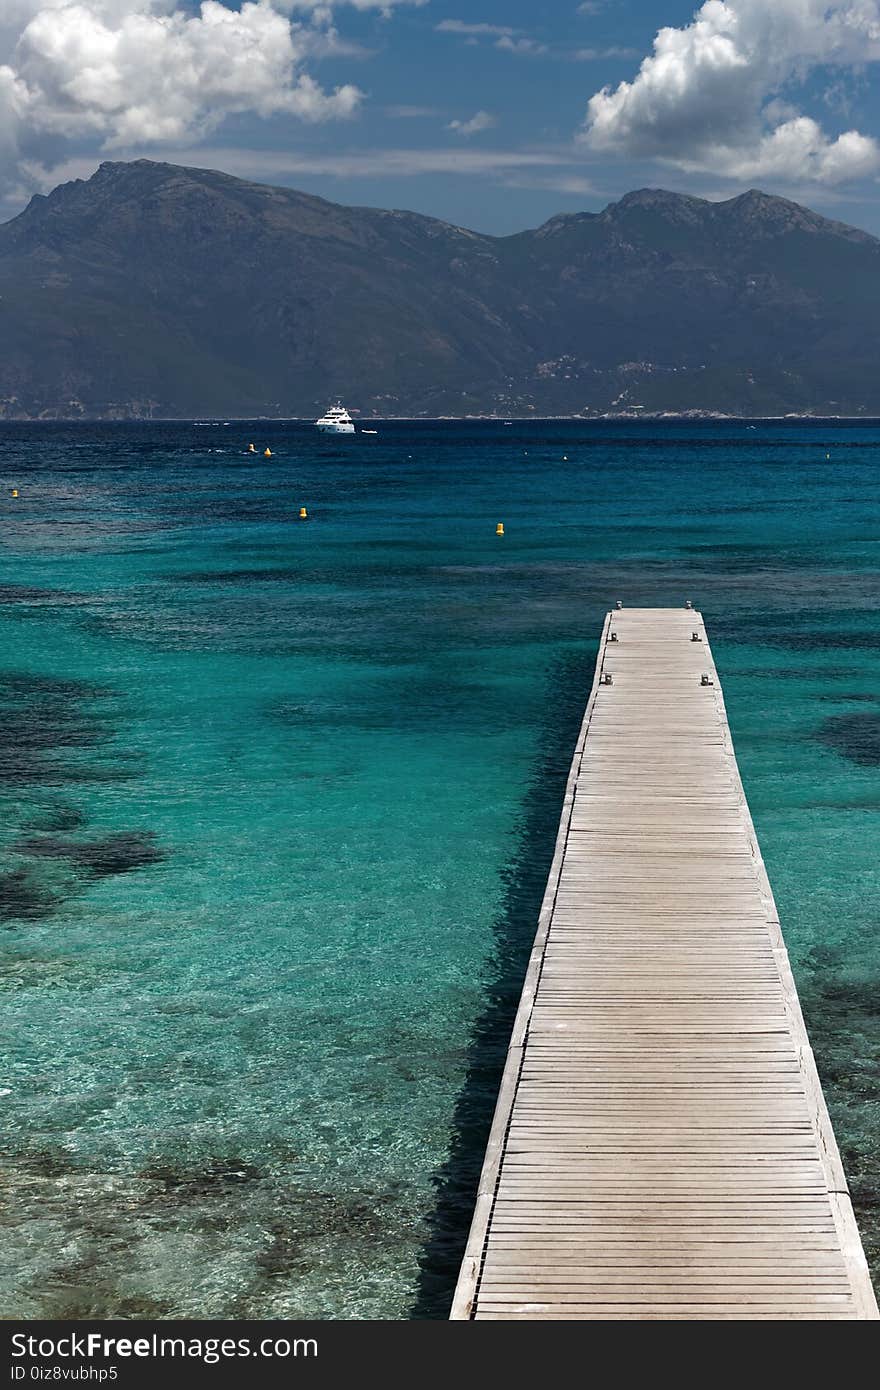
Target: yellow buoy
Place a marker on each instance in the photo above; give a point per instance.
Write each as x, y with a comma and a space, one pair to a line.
15, 492
303, 514
251, 449
499, 529
267, 453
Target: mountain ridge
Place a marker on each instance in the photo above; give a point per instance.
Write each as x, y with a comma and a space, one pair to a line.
156, 289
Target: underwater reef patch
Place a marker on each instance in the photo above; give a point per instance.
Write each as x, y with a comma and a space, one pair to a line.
823, 641
23, 899
66, 1301
41, 716
842, 1015
192, 1182
105, 1267
119, 853
57, 818
270, 575
28, 593
46, 972
853, 736
852, 699
50, 1161
28, 685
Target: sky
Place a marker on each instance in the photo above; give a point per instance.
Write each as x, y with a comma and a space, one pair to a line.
492, 114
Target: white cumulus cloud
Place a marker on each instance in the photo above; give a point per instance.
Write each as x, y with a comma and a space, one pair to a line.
481, 120
521, 47
707, 98
120, 73
466, 27
321, 11
325, 5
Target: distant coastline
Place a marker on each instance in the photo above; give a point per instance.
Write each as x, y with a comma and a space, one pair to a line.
629, 416
156, 291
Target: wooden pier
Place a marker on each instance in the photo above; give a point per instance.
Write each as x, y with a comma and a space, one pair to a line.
661, 1147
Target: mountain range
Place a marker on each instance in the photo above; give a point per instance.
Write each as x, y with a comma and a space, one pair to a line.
152, 289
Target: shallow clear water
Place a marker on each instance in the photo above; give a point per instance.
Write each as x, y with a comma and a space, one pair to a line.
279, 797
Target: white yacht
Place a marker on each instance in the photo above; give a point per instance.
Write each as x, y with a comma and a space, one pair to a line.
336, 421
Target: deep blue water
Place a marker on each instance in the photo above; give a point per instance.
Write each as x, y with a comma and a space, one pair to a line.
279, 798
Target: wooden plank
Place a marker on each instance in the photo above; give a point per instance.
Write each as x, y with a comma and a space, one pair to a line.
661, 1147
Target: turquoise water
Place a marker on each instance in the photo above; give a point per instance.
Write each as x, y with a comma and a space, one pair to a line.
279, 798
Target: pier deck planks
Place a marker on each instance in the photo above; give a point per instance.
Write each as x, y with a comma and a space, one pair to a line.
661, 1147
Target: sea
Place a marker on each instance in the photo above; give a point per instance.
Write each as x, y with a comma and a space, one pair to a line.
279, 797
